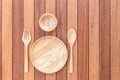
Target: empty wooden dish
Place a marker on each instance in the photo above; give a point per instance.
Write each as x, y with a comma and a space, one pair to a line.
48, 22
48, 54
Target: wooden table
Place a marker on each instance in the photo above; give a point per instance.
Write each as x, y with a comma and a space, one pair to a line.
96, 51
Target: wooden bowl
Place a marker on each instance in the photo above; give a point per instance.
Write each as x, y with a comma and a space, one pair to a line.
47, 22
48, 54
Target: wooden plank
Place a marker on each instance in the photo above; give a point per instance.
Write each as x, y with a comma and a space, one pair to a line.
115, 40
39, 10
1, 39
29, 23
72, 23
6, 40
18, 50
61, 32
83, 40
50, 8
104, 39
94, 40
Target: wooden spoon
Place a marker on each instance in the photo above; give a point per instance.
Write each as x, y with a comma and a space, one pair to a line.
71, 37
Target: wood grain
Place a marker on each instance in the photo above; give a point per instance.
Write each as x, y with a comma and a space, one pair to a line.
94, 40
48, 58
115, 39
96, 52
29, 23
6, 31
82, 56
50, 8
39, 10
72, 23
62, 32
1, 39
17, 45
104, 39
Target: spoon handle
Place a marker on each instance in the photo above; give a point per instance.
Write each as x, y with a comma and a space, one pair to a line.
71, 60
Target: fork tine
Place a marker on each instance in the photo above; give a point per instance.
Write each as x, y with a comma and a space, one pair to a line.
26, 36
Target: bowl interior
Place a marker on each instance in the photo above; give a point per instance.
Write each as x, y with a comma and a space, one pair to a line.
48, 22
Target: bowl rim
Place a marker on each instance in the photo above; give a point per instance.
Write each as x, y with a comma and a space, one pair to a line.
46, 14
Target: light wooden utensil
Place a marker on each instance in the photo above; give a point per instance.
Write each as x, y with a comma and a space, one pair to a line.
48, 54
26, 38
71, 37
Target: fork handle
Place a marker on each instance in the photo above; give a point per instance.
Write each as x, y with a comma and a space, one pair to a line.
26, 59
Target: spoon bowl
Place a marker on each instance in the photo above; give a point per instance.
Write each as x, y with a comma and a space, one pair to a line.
71, 36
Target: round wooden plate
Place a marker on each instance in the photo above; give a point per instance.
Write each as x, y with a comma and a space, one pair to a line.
48, 54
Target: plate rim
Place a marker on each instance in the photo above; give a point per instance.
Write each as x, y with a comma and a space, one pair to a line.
43, 37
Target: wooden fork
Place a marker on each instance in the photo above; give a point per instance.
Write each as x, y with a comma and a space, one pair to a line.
26, 38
